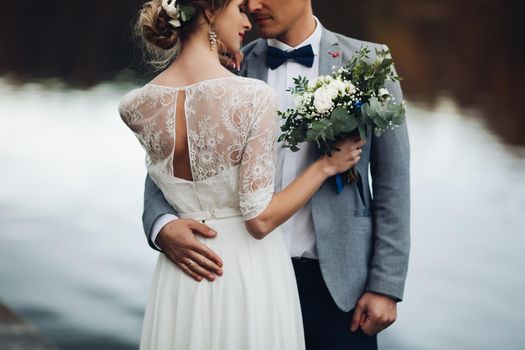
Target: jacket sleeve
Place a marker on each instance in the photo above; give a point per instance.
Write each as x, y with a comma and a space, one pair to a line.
155, 205
390, 171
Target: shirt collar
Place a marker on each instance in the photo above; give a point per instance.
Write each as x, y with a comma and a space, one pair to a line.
314, 39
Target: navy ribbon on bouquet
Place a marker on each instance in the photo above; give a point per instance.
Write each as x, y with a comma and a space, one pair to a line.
303, 55
340, 184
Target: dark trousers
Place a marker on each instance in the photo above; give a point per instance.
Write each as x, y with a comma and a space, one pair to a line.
325, 325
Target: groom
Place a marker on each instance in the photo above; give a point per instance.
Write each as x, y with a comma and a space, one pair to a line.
349, 251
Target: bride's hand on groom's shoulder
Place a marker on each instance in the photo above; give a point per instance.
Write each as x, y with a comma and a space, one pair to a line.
178, 242
232, 60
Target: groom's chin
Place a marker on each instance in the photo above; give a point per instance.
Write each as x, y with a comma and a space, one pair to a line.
266, 33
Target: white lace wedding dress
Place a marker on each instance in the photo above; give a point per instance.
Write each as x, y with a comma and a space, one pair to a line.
232, 127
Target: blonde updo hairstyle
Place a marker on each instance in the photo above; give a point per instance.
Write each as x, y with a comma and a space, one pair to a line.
162, 41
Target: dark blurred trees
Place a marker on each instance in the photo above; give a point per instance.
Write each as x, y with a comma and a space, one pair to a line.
470, 50
82, 42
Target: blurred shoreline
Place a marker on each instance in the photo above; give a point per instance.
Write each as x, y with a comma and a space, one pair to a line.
18, 334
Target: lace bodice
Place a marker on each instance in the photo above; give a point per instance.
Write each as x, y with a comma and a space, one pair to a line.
232, 127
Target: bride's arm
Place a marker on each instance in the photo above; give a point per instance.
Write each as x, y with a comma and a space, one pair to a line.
287, 202
263, 210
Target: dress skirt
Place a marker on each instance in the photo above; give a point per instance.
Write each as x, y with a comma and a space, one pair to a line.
253, 306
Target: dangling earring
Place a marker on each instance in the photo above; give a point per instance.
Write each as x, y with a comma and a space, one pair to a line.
212, 37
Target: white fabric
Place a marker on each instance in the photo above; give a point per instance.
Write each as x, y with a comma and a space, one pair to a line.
162, 221
230, 122
299, 229
232, 125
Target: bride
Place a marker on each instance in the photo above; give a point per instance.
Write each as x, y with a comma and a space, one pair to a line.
210, 142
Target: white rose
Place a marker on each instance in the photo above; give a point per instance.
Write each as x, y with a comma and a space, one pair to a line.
175, 22
298, 101
350, 88
382, 92
322, 100
312, 84
170, 6
327, 79
386, 48
332, 91
336, 87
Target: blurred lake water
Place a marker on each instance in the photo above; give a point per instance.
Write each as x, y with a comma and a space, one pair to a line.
73, 257
74, 260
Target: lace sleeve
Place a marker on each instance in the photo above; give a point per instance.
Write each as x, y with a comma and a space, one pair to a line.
128, 109
257, 168
149, 114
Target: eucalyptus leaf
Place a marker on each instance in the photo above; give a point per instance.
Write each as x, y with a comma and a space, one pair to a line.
380, 122
340, 113
365, 111
330, 134
343, 121
362, 130
350, 125
188, 10
399, 117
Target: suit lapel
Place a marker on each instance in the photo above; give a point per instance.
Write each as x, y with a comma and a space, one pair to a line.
330, 53
256, 66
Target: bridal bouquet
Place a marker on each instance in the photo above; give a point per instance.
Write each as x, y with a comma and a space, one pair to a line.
350, 101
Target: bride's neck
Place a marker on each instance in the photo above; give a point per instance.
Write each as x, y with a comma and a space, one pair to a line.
196, 52
195, 62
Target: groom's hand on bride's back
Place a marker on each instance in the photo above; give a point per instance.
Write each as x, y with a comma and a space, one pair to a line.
178, 242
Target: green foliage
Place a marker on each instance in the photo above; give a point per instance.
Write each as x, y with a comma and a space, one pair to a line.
300, 85
186, 12
370, 77
343, 121
356, 112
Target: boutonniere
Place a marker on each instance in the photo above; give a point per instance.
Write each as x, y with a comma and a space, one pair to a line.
334, 54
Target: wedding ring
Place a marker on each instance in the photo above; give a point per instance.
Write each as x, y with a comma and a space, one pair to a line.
190, 263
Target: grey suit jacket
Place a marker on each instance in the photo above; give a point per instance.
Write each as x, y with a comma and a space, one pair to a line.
362, 246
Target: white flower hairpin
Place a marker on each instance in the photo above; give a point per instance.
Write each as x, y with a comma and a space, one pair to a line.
177, 13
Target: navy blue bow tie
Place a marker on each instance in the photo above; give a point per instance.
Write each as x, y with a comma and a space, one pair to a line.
303, 55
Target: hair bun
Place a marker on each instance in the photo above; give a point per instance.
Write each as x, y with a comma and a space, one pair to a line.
154, 27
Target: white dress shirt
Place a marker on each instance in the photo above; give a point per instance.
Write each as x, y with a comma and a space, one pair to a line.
298, 230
